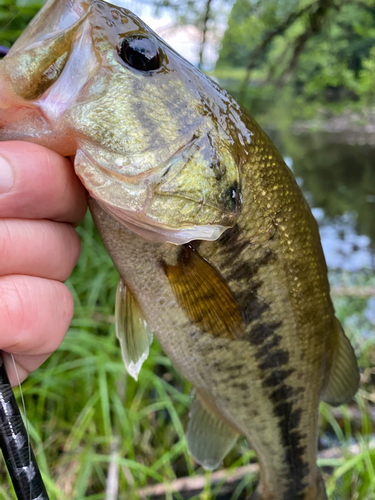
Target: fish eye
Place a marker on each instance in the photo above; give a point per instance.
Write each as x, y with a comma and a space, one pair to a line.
140, 53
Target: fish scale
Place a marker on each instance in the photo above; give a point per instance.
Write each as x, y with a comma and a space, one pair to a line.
218, 253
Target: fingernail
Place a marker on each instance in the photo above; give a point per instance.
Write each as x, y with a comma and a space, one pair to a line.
6, 176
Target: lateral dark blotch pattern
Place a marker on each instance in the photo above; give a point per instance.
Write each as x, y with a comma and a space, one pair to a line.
266, 348
278, 377
271, 358
238, 265
275, 359
289, 419
233, 244
232, 237
283, 396
245, 269
261, 333
285, 391
251, 307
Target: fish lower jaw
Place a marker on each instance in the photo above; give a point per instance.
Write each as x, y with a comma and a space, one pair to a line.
151, 231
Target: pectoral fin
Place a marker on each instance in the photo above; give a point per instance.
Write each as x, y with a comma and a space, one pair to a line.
209, 438
204, 295
131, 330
344, 377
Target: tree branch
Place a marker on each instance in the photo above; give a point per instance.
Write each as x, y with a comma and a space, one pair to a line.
204, 34
318, 12
317, 19
193, 483
260, 49
198, 482
271, 35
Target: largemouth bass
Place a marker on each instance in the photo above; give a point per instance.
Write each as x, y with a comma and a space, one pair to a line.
218, 253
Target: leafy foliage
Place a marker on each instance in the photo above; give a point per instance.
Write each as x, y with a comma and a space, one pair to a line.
323, 51
14, 17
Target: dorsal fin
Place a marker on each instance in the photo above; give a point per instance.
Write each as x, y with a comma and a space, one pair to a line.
204, 295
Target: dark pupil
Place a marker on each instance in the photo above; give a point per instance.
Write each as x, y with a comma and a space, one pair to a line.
140, 53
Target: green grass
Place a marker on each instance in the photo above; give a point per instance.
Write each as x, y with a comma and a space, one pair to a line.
81, 401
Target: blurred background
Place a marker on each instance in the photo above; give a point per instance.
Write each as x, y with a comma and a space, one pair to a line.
306, 71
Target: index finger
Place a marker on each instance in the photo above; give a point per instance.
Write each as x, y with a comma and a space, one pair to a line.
37, 183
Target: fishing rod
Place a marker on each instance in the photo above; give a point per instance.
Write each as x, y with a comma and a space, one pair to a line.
15, 445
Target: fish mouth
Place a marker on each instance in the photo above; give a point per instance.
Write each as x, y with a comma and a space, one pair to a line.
177, 201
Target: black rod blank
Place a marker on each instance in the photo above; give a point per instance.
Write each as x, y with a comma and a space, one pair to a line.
14, 443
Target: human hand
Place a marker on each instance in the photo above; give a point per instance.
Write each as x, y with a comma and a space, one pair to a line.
40, 197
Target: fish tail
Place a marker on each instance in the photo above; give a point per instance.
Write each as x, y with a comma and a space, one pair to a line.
317, 492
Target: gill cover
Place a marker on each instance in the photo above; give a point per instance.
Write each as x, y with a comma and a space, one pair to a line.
147, 137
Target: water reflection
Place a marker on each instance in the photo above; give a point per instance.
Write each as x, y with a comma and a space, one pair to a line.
339, 180
343, 247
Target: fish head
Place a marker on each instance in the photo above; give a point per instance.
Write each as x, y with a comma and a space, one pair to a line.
158, 144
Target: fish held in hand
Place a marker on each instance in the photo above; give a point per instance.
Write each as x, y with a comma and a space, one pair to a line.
218, 252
